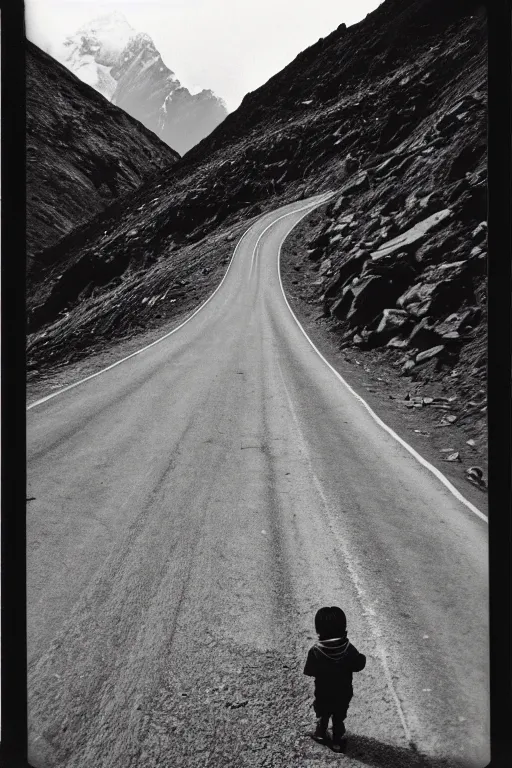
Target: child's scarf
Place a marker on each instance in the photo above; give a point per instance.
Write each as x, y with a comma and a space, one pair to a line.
334, 649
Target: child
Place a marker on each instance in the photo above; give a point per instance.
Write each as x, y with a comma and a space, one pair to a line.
331, 661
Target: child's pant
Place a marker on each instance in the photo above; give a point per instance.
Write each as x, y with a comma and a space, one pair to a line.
338, 712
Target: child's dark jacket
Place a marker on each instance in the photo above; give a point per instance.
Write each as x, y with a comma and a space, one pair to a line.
331, 663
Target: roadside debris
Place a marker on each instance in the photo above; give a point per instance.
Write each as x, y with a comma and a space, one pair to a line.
475, 475
236, 704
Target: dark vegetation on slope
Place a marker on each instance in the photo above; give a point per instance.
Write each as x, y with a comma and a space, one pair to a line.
82, 152
391, 113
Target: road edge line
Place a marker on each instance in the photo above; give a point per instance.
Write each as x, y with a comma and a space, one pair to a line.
436, 472
368, 610
165, 336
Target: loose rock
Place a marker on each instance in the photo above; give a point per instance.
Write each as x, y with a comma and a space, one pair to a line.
429, 353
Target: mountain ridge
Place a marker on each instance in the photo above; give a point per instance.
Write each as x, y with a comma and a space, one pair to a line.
82, 151
124, 65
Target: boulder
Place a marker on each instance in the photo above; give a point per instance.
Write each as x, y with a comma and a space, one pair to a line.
472, 205
480, 233
418, 208
321, 240
443, 289
369, 297
417, 299
356, 183
341, 307
458, 322
447, 124
413, 235
428, 354
339, 204
400, 268
423, 335
314, 254
325, 266
465, 160
385, 167
394, 203
397, 343
349, 268
342, 228
393, 320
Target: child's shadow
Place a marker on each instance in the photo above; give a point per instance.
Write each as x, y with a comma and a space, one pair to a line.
380, 755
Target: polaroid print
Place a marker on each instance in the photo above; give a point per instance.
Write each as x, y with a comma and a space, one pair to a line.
256, 297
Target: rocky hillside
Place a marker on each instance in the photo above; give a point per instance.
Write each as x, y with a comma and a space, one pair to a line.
82, 152
391, 113
124, 65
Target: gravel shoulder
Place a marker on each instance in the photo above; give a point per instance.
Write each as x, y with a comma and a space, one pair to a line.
388, 393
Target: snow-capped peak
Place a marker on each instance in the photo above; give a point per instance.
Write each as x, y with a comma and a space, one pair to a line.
124, 65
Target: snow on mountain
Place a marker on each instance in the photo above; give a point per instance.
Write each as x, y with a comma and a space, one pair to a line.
124, 65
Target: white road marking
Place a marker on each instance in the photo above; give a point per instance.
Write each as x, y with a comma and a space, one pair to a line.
143, 349
166, 336
307, 208
368, 610
289, 213
436, 472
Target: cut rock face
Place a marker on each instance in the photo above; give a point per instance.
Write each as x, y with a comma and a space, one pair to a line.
413, 235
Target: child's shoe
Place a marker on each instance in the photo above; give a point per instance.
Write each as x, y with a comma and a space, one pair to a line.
337, 741
320, 733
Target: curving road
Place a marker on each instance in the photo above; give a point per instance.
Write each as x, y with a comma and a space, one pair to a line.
194, 506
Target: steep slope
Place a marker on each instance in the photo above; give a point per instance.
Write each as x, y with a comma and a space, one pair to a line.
124, 65
366, 111
82, 152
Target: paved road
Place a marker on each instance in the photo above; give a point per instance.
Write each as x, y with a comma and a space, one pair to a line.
194, 506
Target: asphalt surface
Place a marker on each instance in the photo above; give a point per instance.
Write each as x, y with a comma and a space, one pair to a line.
193, 507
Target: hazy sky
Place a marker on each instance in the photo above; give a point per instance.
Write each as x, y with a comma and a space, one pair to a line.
230, 46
